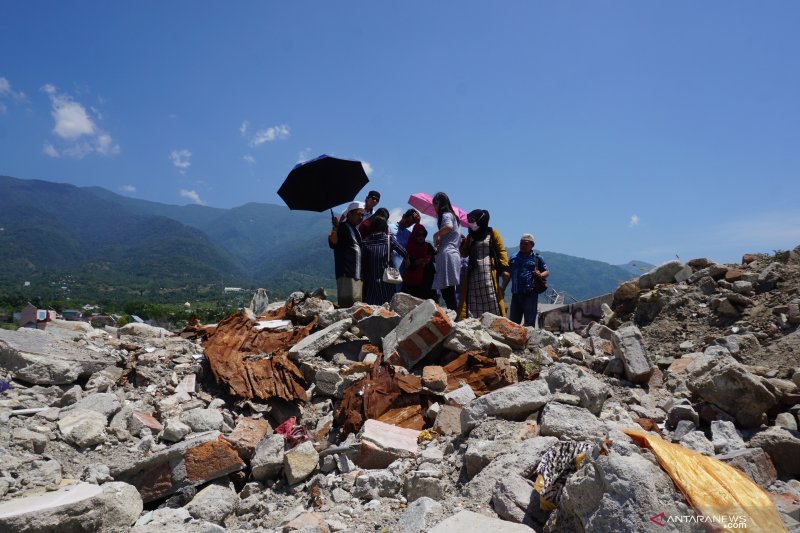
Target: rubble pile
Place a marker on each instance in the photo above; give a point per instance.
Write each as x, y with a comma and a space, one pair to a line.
307, 417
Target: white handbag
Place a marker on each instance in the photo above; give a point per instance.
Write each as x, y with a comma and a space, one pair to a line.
391, 275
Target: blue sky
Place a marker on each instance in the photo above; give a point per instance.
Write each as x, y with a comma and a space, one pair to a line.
610, 130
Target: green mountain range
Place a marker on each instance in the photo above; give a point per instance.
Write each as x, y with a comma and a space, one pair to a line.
92, 245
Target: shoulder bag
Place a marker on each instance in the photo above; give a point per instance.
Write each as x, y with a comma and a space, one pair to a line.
391, 275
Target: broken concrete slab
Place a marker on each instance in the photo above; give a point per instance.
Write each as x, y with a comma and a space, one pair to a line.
783, 447
468, 336
575, 380
377, 325
569, 422
515, 401
83, 428
190, 463
214, 503
36, 357
471, 522
754, 462
628, 347
661, 274
727, 384
267, 461
76, 507
419, 332
316, 342
382, 444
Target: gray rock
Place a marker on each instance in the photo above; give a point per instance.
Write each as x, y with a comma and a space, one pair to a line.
740, 345
375, 484
783, 447
167, 519
471, 522
520, 459
32, 441
267, 461
200, 420
37, 357
424, 485
540, 338
377, 325
300, 462
697, 441
468, 335
83, 428
72, 395
574, 380
174, 430
569, 422
661, 274
104, 403
725, 438
309, 308
414, 518
682, 411
122, 504
461, 396
214, 503
259, 302
316, 342
515, 500
682, 428
329, 382
628, 347
727, 384
403, 303
619, 493
786, 421
515, 401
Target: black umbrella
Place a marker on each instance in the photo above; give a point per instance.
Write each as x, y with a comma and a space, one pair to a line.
322, 183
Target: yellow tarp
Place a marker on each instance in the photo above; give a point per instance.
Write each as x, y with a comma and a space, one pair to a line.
715, 489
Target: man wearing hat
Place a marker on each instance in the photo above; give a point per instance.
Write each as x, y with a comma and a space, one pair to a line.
525, 267
373, 197
346, 244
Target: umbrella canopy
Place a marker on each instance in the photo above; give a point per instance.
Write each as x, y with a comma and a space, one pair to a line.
423, 202
322, 183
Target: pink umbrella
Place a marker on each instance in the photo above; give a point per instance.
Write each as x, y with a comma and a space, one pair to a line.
423, 202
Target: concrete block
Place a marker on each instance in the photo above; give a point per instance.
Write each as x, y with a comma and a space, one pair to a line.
382, 444
505, 330
419, 332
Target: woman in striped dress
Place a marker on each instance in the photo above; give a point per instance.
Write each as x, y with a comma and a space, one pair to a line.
480, 290
375, 259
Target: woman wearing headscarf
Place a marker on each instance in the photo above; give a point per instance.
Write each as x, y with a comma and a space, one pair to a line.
363, 228
418, 275
480, 290
375, 251
448, 258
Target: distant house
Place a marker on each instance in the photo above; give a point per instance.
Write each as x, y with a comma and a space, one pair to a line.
233, 289
72, 314
32, 317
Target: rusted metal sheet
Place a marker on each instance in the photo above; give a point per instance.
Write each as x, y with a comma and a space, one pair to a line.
483, 374
254, 364
409, 417
374, 395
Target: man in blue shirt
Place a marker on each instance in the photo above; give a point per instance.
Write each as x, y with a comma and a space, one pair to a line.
525, 267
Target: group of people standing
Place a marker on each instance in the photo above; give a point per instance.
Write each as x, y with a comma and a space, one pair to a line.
470, 273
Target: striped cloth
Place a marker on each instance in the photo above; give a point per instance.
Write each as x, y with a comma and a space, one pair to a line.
374, 260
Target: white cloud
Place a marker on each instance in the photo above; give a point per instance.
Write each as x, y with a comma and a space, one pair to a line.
244, 127
634, 220
395, 214
193, 196
270, 134
50, 150
180, 159
249, 159
367, 168
77, 132
128, 188
6, 90
304, 155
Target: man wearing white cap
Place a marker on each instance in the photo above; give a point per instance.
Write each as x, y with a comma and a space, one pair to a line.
528, 270
346, 244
